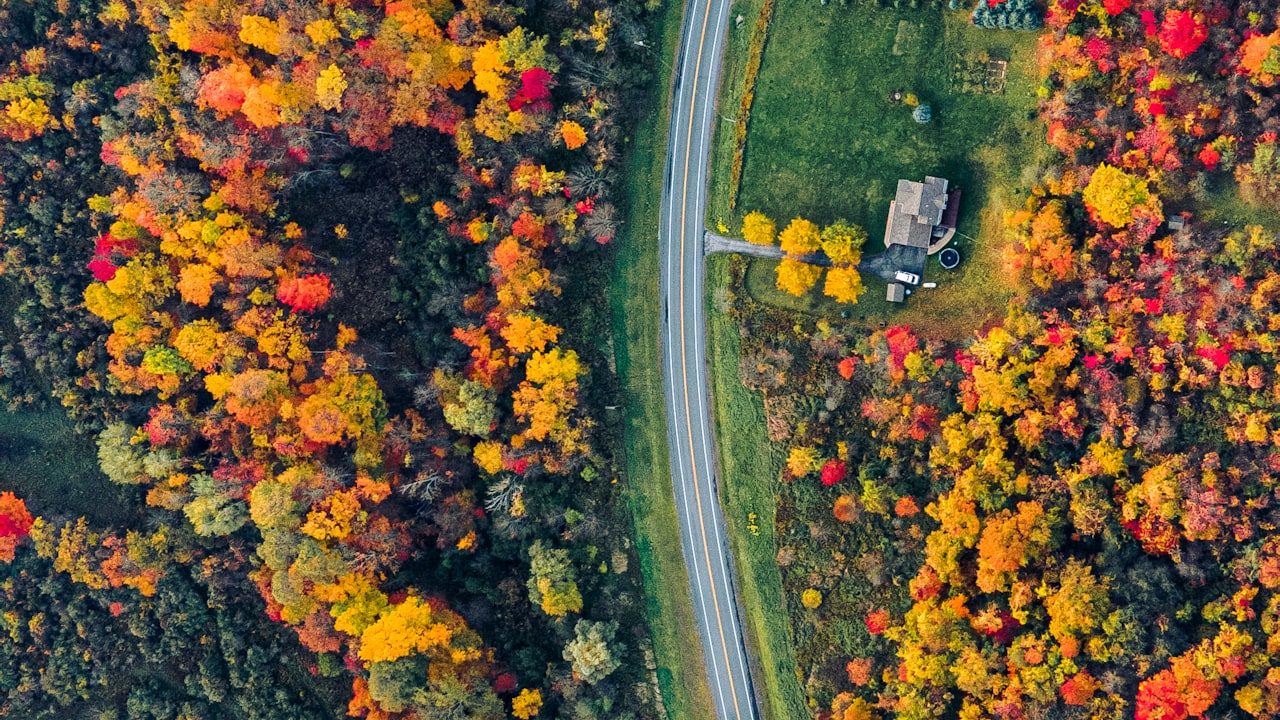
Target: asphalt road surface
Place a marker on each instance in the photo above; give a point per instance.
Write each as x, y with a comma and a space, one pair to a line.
684, 197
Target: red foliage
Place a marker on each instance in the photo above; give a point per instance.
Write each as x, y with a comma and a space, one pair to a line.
1219, 356
109, 245
1115, 7
845, 368
109, 253
505, 683
877, 621
15, 521
1079, 688
1209, 157
1149, 23
1007, 630
833, 471
1180, 692
1181, 33
102, 269
307, 293
535, 92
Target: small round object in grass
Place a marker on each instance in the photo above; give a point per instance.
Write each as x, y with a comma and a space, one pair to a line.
949, 258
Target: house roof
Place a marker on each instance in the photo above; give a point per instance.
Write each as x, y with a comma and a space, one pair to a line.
895, 293
915, 210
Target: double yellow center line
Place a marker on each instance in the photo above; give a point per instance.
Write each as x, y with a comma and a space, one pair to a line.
684, 208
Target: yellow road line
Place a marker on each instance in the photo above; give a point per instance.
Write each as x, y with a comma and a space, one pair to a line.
693, 465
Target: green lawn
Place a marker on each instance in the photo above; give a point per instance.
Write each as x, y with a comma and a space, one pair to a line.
636, 316
750, 469
44, 461
825, 142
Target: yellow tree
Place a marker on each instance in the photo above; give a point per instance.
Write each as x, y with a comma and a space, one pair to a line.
1112, 194
842, 242
844, 284
800, 237
796, 277
759, 229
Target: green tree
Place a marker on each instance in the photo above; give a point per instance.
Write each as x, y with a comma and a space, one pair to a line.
119, 458
552, 582
591, 650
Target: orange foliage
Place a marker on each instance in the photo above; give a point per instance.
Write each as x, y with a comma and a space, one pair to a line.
15, 524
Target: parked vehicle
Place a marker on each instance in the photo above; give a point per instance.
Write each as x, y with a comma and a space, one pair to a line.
909, 278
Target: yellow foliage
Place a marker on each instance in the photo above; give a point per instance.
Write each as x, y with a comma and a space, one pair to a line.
406, 628
796, 277
31, 115
527, 704
525, 332
759, 229
811, 598
488, 456
264, 34
553, 365
801, 461
842, 242
1112, 194
329, 87
201, 343
322, 31
558, 601
332, 520
844, 284
800, 237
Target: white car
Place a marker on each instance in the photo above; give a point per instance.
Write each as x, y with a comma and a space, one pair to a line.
905, 277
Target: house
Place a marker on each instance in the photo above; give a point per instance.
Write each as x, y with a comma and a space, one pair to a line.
915, 211
922, 219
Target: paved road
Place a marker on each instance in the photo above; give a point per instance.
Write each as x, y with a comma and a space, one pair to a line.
684, 197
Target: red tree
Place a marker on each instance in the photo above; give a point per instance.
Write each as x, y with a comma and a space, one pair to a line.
1181, 33
307, 293
15, 524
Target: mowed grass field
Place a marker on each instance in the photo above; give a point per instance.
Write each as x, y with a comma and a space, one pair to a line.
825, 142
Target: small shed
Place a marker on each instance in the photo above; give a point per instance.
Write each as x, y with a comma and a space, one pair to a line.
896, 293
1178, 222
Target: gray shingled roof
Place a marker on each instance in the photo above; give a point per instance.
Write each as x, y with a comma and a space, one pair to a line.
915, 209
933, 199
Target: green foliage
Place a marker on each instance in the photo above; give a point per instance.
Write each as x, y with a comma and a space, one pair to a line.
552, 582
1009, 15
120, 459
216, 514
202, 643
591, 651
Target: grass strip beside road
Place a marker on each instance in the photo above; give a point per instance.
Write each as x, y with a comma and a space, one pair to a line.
636, 306
749, 471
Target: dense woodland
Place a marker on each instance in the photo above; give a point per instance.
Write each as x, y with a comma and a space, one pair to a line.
299, 268
1073, 513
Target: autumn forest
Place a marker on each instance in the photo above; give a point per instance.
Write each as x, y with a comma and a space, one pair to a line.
312, 390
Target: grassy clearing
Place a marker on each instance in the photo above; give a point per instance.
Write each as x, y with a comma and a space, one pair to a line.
55, 469
825, 142
1224, 205
750, 469
636, 315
